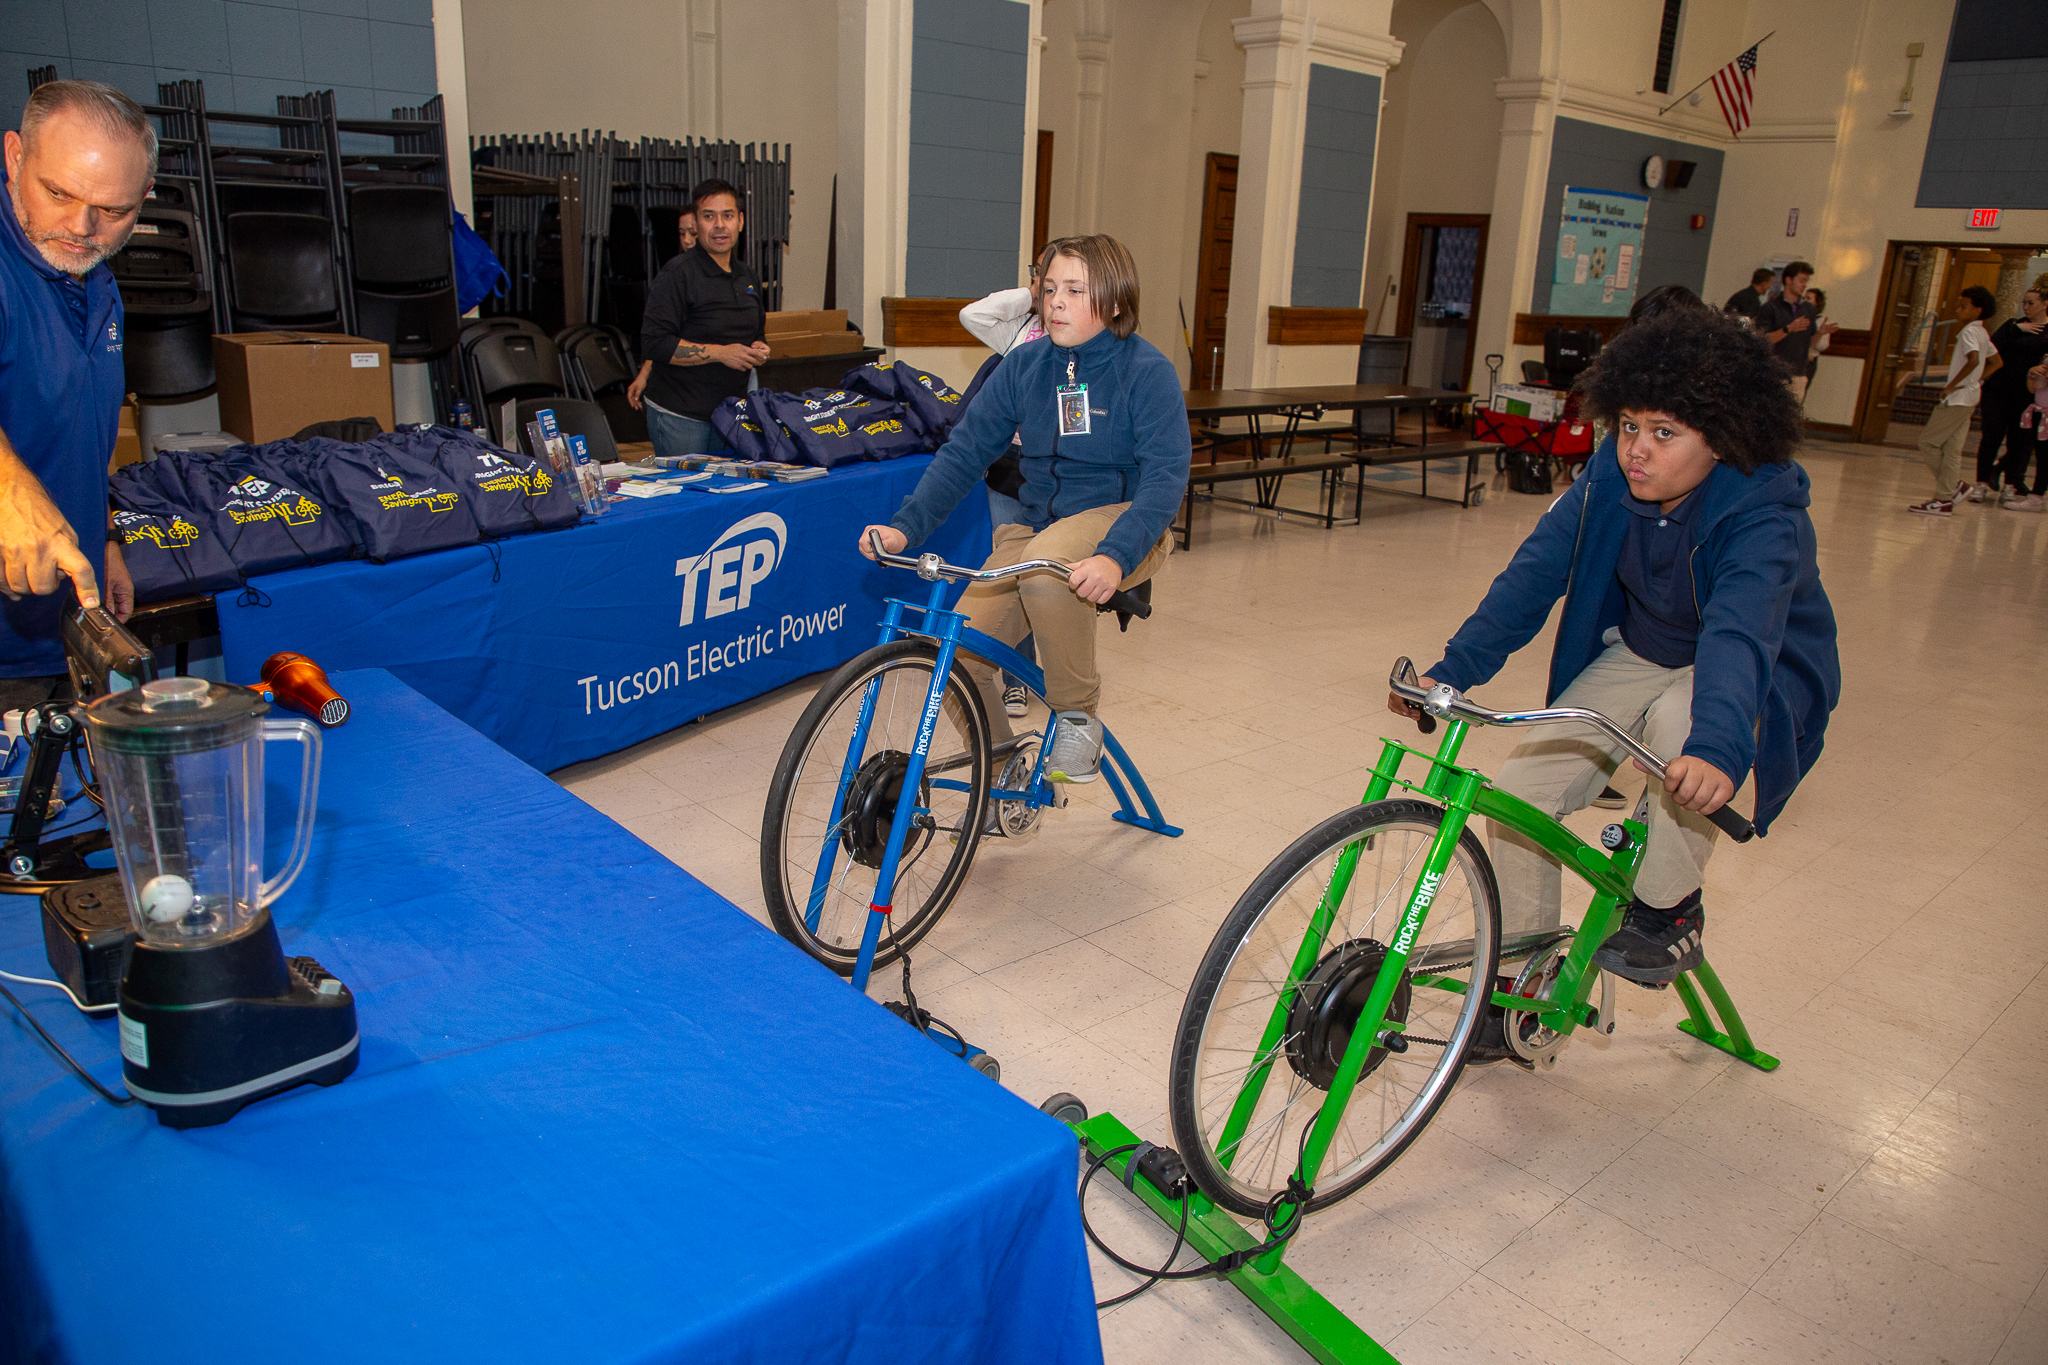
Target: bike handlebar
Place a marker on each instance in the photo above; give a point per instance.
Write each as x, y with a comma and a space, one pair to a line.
1449, 703
931, 568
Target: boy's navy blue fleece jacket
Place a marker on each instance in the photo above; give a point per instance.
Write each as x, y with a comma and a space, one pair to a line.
1137, 450
1766, 674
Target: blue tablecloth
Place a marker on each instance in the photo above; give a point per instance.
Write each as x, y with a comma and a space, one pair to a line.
567, 645
601, 1116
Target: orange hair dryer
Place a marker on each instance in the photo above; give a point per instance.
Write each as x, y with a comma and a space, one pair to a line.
296, 681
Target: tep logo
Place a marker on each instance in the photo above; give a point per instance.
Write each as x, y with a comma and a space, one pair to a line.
947, 397
737, 561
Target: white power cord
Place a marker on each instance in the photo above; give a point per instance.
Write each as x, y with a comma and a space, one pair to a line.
58, 985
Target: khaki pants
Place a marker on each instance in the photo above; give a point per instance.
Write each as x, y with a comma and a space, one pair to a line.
1561, 768
1941, 445
1043, 606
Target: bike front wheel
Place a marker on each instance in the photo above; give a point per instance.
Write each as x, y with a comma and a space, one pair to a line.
849, 753
1283, 984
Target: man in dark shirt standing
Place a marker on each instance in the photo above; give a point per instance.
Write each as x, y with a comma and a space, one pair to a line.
702, 334
1744, 303
1787, 324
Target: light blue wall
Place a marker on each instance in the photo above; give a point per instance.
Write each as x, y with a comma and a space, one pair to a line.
1341, 127
967, 87
1594, 156
374, 54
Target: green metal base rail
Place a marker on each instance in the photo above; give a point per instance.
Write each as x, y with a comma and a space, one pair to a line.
1281, 1294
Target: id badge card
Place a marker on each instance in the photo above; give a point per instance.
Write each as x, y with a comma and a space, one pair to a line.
1073, 406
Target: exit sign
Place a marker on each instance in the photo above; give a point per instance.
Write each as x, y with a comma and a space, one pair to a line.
1984, 220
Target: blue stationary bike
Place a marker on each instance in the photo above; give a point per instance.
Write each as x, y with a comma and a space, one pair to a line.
889, 783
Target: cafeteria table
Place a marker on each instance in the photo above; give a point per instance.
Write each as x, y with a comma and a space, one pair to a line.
601, 1116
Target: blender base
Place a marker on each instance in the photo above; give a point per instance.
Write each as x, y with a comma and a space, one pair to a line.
205, 1031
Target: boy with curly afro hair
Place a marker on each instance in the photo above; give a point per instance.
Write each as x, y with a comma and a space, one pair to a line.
1693, 617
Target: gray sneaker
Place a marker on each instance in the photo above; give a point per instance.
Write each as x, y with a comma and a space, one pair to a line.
1076, 753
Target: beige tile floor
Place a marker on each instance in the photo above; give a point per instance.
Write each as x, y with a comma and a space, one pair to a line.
1881, 1197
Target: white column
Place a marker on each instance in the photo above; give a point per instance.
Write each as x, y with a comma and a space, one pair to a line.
1268, 190
1528, 118
451, 80
1028, 194
705, 105
1091, 51
874, 153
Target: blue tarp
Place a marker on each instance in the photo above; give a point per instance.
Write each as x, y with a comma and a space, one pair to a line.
570, 644
601, 1116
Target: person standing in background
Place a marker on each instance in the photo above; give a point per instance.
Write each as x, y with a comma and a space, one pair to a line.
686, 235
1002, 322
2015, 497
1788, 324
1744, 303
704, 328
1823, 333
1948, 426
2022, 343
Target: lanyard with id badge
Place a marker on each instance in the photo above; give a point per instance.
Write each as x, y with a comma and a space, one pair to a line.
1072, 399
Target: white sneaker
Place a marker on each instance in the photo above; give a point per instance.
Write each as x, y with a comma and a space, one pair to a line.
1016, 701
2033, 502
1981, 492
1076, 753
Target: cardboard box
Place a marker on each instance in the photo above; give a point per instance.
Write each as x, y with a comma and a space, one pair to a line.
1526, 400
800, 321
815, 343
127, 440
274, 383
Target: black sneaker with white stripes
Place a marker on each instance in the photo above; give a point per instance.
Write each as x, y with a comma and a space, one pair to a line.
1653, 946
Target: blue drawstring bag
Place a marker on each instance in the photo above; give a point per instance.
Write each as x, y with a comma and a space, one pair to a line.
834, 427
401, 505
933, 404
264, 514
508, 492
742, 429
479, 274
168, 553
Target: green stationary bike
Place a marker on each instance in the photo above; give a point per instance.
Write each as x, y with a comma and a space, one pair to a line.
1341, 997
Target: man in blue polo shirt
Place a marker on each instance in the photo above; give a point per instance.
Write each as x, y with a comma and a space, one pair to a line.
77, 173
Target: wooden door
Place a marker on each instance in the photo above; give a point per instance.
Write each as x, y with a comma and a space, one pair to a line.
1966, 267
1041, 204
1417, 268
1889, 361
1212, 272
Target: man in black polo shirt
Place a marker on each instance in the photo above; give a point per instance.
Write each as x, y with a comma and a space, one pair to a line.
702, 334
1788, 325
1745, 302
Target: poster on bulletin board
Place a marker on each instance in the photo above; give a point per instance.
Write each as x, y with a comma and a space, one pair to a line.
1599, 252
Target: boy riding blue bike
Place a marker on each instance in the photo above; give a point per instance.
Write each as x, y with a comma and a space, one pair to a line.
1105, 460
1693, 615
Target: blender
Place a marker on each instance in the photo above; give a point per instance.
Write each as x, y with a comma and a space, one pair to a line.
213, 1016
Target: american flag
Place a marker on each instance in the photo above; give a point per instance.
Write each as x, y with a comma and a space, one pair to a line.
1734, 88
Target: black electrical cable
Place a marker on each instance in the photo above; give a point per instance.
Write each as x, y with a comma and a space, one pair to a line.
1180, 1235
1295, 1195
118, 1101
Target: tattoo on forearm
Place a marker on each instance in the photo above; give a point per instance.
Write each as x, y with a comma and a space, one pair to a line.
687, 352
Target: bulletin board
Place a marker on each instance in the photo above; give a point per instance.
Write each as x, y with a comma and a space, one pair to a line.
1599, 252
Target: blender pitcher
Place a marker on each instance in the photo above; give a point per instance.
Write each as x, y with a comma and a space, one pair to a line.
180, 762
212, 1015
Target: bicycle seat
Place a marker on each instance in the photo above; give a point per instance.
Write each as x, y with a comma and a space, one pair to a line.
1143, 592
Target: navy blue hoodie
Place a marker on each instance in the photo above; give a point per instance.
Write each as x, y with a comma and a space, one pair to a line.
1766, 673
1137, 449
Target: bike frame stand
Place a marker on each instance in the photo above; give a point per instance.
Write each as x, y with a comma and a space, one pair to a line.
1275, 1289
1736, 1041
